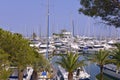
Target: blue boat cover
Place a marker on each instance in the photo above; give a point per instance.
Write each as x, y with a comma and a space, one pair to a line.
44, 73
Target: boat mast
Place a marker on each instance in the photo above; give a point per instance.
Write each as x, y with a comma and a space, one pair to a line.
40, 31
73, 27
47, 30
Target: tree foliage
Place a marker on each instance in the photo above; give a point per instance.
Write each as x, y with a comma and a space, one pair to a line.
116, 56
107, 10
15, 51
39, 62
18, 49
4, 63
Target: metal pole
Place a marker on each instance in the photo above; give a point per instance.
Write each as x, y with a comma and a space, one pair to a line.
73, 27
47, 30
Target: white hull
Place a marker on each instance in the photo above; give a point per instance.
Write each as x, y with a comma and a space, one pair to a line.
110, 70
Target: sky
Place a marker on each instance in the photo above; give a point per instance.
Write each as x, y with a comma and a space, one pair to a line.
28, 16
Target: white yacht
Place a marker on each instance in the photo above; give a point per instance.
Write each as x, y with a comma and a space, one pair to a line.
35, 43
43, 47
74, 46
111, 70
81, 74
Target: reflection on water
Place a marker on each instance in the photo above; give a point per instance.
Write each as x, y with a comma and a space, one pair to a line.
90, 67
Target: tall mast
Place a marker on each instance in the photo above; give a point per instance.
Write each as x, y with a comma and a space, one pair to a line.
47, 30
88, 31
40, 31
73, 27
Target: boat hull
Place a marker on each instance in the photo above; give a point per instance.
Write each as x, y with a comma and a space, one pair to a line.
111, 73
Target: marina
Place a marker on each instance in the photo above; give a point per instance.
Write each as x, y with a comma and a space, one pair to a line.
83, 45
47, 40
